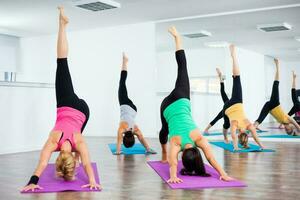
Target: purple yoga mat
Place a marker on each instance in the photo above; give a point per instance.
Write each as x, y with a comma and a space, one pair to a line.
50, 183
193, 182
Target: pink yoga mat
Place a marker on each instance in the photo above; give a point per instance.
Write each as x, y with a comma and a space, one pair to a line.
50, 183
193, 182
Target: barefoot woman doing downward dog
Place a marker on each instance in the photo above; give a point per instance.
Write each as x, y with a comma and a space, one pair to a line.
178, 125
72, 116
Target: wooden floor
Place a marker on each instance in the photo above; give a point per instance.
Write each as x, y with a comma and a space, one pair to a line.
268, 175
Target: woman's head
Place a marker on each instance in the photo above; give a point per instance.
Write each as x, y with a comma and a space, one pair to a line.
128, 139
243, 140
192, 163
65, 165
288, 129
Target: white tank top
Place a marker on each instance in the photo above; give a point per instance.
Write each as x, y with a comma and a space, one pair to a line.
128, 115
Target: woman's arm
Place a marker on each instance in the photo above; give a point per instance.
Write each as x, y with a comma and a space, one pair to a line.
45, 155
81, 147
292, 121
173, 162
252, 129
206, 148
141, 138
233, 129
119, 140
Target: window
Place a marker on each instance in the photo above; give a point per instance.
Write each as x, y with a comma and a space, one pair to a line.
206, 85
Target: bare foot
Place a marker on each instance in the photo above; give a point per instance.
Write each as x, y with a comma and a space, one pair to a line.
276, 61
226, 141
63, 19
125, 62
232, 50
173, 31
294, 75
219, 72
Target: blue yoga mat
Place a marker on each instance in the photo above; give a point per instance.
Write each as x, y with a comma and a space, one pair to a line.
229, 147
218, 133
261, 131
212, 134
135, 149
280, 136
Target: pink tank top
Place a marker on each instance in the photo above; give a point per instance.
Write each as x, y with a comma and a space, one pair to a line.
68, 121
297, 114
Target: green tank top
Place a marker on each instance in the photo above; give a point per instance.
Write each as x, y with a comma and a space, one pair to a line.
180, 122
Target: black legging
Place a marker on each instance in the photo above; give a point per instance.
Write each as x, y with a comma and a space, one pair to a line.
65, 95
181, 90
296, 106
220, 115
269, 105
236, 97
122, 93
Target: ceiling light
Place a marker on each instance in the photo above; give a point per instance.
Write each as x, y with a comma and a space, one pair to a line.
197, 34
96, 5
274, 27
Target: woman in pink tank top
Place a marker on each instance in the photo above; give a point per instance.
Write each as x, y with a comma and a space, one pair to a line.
72, 116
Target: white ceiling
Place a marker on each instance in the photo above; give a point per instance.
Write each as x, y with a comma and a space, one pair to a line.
241, 30
34, 17
38, 17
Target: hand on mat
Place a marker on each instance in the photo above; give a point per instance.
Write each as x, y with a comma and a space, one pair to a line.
226, 178
118, 153
226, 141
236, 149
150, 151
175, 180
262, 147
92, 185
281, 126
31, 187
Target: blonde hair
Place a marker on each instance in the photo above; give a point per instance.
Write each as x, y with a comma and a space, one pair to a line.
243, 140
65, 166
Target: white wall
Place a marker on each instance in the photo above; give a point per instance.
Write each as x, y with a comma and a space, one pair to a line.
256, 75
27, 117
9, 52
95, 62
28, 114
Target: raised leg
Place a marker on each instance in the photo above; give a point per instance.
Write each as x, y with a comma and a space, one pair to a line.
63, 81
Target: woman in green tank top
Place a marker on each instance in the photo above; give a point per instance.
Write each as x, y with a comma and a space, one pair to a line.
178, 125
